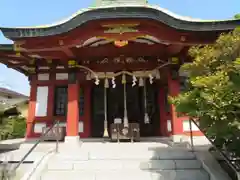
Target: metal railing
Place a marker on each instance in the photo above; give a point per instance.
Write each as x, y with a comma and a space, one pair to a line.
41, 139
231, 164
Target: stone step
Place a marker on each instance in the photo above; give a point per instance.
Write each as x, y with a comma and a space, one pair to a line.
140, 154
42, 147
98, 165
121, 146
127, 175
126, 155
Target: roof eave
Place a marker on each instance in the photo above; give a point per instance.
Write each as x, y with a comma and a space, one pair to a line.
150, 12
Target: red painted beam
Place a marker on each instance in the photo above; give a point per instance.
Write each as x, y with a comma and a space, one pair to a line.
146, 27
109, 50
174, 49
132, 49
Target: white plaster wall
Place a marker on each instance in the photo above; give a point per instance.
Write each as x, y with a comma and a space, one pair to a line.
169, 125
38, 127
62, 124
80, 126
44, 67
43, 77
186, 126
60, 67
41, 101
61, 76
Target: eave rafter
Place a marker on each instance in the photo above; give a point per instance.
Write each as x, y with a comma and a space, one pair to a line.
105, 50
109, 50
11, 59
16, 67
15, 59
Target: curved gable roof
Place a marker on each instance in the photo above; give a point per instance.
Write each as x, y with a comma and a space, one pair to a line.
122, 11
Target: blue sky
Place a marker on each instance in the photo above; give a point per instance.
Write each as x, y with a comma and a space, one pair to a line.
28, 13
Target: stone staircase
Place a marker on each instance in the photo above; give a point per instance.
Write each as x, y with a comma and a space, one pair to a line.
123, 161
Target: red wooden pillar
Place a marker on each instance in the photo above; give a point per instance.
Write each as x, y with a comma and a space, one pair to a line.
73, 109
31, 109
176, 123
50, 104
163, 120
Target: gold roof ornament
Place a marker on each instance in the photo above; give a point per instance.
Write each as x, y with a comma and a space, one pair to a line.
120, 28
31, 70
174, 60
32, 61
121, 43
49, 61
17, 46
72, 63
18, 54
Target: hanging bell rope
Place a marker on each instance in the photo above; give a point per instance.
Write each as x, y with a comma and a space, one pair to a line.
105, 134
141, 82
106, 83
146, 117
125, 119
124, 79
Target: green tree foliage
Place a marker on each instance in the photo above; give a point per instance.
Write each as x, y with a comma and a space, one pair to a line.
213, 93
12, 127
237, 16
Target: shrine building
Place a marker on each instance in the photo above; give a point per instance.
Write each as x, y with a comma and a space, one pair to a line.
115, 62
